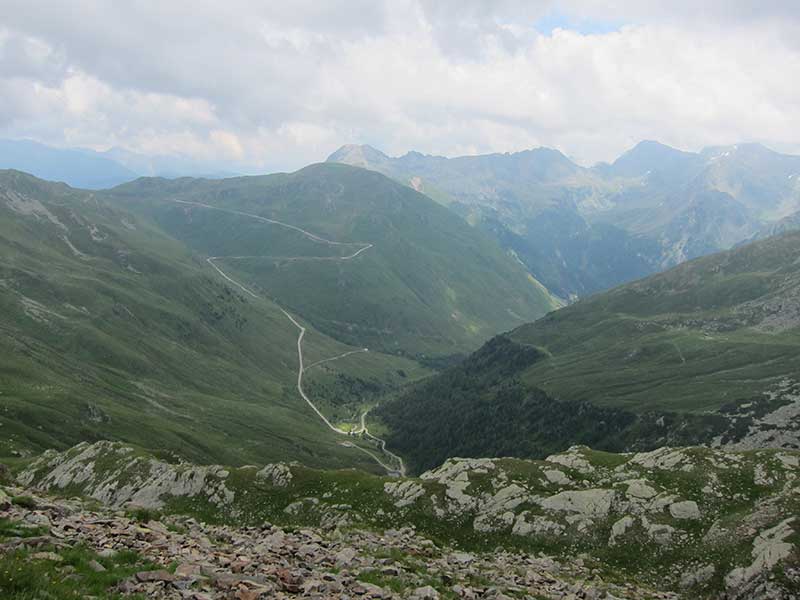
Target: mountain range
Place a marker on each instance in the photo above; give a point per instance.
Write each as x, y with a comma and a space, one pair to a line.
581, 230
577, 230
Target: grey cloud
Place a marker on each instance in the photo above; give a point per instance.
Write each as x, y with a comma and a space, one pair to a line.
24, 57
462, 28
276, 85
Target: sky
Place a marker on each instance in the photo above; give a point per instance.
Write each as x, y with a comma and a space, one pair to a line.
271, 85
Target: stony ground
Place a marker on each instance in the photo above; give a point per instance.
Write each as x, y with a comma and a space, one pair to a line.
704, 523
192, 560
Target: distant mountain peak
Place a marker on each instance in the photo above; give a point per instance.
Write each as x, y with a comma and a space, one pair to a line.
652, 148
544, 152
650, 156
359, 155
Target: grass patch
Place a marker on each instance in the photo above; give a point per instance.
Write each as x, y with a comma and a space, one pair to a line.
24, 502
25, 578
15, 529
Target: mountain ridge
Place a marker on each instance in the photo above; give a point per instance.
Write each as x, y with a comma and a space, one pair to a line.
654, 207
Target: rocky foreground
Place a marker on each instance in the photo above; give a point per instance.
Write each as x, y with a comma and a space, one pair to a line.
193, 560
691, 523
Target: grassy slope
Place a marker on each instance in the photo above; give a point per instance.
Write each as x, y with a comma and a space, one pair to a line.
667, 360
136, 339
431, 285
682, 340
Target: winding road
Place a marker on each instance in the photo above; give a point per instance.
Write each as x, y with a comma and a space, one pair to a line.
400, 469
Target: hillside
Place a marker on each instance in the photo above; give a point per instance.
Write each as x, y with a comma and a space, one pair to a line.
706, 352
697, 337
582, 230
690, 521
410, 278
114, 330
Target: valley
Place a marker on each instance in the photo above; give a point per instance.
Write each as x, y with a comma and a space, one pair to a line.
419, 300
190, 411
360, 430
173, 382
679, 358
211, 347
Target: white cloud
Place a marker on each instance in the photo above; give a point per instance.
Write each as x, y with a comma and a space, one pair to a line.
273, 86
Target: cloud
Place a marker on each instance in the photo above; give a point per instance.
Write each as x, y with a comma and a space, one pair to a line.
266, 86
690, 12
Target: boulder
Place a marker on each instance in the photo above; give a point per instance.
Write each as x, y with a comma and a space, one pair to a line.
640, 490
591, 503
278, 474
769, 548
619, 528
698, 576
424, 593
686, 509
573, 458
345, 557
405, 493
526, 524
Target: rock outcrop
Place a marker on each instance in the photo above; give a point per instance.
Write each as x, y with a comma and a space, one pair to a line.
138, 481
665, 508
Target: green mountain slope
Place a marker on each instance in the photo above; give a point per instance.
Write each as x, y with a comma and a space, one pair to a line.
423, 283
113, 330
693, 338
709, 350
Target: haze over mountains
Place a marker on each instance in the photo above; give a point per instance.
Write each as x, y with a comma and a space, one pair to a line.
580, 230
88, 169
